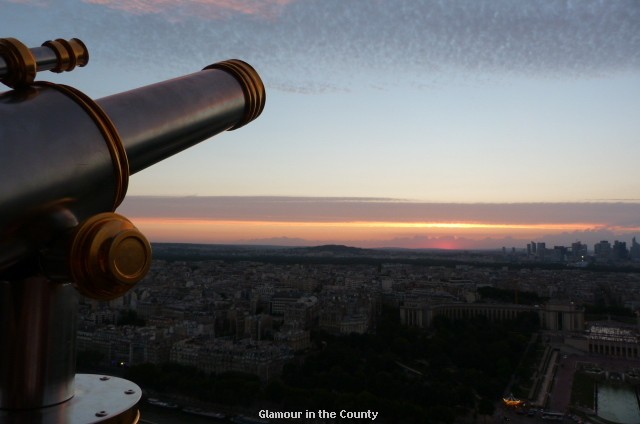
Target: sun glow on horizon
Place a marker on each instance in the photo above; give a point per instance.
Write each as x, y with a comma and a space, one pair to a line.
368, 232
369, 224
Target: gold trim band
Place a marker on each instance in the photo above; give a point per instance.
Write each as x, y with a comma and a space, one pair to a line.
21, 62
62, 54
252, 87
70, 53
109, 133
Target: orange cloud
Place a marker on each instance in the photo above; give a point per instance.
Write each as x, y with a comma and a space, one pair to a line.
208, 8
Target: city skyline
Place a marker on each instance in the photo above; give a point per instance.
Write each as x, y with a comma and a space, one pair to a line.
421, 124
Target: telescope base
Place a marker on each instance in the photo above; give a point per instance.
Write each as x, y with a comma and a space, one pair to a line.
97, 399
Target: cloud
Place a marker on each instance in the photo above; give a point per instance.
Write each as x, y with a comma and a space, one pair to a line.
210, 9
339, 209
377, 222
332, 45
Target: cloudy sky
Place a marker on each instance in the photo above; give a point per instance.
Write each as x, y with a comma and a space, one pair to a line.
388, 122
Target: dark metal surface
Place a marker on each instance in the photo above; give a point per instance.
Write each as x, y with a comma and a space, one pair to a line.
97, 399
53, 161
160, 120
46, 58
37, 343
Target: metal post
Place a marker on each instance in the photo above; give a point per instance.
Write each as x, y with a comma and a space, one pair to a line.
37, 342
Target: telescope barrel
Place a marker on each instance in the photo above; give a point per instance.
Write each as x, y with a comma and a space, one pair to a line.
65, 157
31, 309
160, 120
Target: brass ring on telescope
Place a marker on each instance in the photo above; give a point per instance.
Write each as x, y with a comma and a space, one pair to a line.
80, 51
109, 133
251, 84
21, 63
62, 54
70, 53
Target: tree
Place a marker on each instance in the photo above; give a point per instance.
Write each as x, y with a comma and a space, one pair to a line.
130, 317
486, 407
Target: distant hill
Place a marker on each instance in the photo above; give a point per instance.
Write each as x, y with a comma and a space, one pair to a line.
335, 250
341, 254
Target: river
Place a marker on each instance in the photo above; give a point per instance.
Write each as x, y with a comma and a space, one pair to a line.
157, 415
618, 404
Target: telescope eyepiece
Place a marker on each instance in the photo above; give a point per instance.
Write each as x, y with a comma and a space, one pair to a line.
19, 63
69, 53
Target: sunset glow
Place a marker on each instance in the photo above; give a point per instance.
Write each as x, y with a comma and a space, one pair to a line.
439, 234
160, 222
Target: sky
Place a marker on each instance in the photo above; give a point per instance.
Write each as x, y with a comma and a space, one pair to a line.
388, 123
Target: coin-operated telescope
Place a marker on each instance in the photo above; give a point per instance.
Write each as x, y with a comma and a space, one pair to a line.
65, 161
